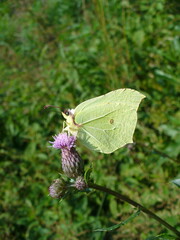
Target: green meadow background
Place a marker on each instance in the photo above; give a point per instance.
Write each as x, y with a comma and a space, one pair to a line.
62, 52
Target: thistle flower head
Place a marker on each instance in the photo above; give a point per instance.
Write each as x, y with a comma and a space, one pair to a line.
63, 141
72, 163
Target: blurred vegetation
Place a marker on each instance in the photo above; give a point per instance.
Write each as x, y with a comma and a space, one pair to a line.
62, 53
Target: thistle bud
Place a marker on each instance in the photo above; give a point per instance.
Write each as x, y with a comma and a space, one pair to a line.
72, 163
58, 188
80, 183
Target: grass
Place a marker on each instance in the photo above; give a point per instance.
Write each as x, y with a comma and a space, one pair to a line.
62, 53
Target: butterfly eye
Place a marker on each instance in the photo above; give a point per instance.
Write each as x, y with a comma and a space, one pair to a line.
66, 112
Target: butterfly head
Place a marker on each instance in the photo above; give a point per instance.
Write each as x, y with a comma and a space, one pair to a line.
71, 126
68, 114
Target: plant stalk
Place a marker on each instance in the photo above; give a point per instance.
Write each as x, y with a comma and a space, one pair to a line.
135, 204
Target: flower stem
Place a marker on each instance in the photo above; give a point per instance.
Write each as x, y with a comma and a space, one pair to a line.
130, 201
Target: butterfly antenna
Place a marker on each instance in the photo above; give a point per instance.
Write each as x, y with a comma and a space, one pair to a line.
47, 106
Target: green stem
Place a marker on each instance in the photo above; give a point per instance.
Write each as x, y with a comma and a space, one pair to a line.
128, 200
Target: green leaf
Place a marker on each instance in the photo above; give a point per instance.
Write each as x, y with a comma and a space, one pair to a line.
114, 227
163, 236
166, 76
176, 182
87, 175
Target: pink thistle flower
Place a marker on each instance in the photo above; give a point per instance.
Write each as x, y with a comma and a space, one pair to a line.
72, 163
62, 140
